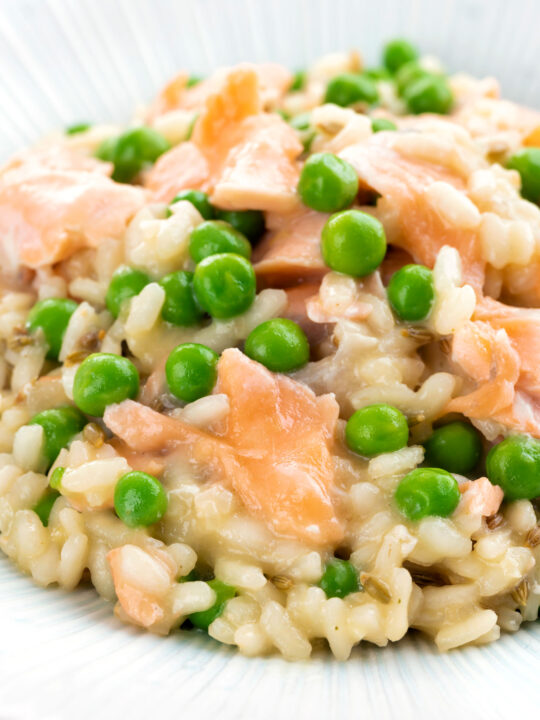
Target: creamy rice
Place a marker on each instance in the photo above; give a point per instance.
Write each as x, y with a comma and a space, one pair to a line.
460, 579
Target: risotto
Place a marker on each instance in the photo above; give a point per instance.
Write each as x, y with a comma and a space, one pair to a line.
270, 357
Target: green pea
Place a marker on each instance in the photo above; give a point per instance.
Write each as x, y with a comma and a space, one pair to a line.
180, 306
299, 80
411, 292
514, 465
132, 151
139, 499
351, 88
224, 285
353, 242
283, 114
51, 316
199, 200
104, 379
380, 123
302, 121
59, 426
427, 491
340, 578
191, 371
378, 73
527, 163
376, 429
204, 618
78, 128
55, 481
193, 80
409, 73
126, 282
455, 447
217, 236
398, 52
429, 94
107, 149
279, 344
327, 183
44, 506
249, 222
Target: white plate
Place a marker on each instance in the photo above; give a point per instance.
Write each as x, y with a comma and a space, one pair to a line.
64, 656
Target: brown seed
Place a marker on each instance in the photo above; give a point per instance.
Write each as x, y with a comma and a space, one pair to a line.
91, 340
418, 334
282, 582
533, 537
376, 587
446, 346
76, 357
495, 521
93, 434
520, 594
426, 576
20, 339
427, 580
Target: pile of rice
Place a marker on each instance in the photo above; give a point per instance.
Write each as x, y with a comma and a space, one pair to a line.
461, 579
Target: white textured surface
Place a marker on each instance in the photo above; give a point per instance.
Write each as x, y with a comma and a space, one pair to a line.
65, 657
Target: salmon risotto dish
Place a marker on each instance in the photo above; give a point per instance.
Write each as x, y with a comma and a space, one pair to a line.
270, 357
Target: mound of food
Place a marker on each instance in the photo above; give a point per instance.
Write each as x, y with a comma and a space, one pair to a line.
270, 357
